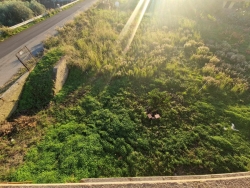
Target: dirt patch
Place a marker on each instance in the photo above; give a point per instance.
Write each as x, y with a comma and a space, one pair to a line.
6, 128
22, 122
15, 139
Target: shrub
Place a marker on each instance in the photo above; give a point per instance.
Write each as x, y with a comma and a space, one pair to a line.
209, 69
226, 46
237, 58
5, 32
240, 86
229, 54
211, 81
36, 7
51, 41
168, 48
220, 53
200, 59
214, 60
203, 50
14, 12
190, 46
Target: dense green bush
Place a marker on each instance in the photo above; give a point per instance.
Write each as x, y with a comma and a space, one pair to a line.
14, 12
36, 7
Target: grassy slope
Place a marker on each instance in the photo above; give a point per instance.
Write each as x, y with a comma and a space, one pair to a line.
97, 125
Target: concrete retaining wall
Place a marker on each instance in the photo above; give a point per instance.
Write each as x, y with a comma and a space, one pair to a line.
60, 74
9, 99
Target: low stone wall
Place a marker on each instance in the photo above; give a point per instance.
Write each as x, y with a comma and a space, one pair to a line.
9, 99
60, 74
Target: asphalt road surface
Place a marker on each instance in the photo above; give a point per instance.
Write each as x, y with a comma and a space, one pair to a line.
32, 38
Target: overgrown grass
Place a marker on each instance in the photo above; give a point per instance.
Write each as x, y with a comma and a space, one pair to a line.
97, 126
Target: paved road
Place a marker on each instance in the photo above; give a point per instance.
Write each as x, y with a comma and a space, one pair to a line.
32, 38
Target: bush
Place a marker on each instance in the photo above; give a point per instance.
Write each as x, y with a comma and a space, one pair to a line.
36, 7
203, 50
238, 58
214, 60
5, 32
14, 12
191, 46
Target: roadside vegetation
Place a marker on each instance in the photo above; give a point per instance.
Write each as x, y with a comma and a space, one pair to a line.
14, 12
189, 66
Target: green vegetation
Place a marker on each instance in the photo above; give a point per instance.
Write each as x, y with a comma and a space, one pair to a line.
14, 12
97, 126
36, 96
36, 7
6, 32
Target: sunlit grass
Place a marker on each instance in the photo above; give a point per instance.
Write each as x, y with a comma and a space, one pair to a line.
133, 23
99, 125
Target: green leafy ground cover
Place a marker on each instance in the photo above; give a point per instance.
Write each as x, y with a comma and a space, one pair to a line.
97, 126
